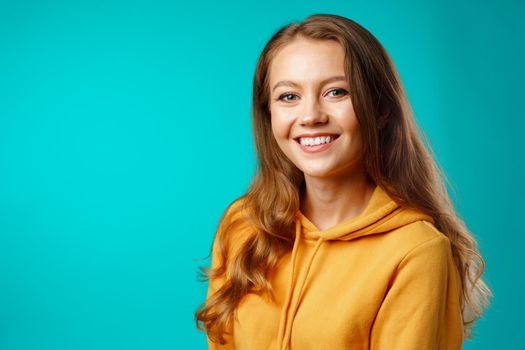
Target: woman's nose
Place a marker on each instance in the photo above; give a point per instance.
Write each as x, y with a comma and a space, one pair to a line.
313, 113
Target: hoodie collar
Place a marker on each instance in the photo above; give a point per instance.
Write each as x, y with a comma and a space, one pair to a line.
381, 214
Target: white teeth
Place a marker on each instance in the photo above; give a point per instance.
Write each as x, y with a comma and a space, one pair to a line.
314, 141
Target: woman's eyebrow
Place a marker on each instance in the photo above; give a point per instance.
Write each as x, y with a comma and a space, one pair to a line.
293, 84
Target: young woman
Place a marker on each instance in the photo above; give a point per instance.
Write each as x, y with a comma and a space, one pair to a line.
346, 238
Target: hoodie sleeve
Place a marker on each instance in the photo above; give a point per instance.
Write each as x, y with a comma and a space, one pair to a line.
213, 286
421, 309
216, 259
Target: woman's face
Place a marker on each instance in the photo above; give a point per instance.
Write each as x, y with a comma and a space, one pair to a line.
312, 116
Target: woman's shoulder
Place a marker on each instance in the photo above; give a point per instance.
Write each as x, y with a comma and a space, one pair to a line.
421, 230
419, 235
236, 211
235, 227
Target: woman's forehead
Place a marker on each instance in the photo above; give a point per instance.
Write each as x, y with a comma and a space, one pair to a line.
307, 60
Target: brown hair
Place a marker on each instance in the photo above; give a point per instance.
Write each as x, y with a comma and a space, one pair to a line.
396, 156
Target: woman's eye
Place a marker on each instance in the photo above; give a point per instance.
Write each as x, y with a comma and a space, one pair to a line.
287, 97
337, 92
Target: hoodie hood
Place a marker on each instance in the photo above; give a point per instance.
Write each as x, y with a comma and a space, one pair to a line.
382, 214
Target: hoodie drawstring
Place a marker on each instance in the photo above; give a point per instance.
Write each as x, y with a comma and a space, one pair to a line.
285, 325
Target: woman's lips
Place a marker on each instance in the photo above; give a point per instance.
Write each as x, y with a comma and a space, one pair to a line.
316, 148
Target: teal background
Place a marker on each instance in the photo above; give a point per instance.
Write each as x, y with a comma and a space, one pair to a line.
124, 133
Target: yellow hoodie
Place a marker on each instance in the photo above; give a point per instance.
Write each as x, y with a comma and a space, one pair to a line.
384, 279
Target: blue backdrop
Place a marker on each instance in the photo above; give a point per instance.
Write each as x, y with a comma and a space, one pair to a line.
125, 131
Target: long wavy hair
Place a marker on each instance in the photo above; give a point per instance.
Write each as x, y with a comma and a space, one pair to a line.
396, 156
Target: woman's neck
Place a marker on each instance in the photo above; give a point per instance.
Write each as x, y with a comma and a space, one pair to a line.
327, 202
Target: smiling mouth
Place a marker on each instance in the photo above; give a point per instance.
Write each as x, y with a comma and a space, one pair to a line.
315, 141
